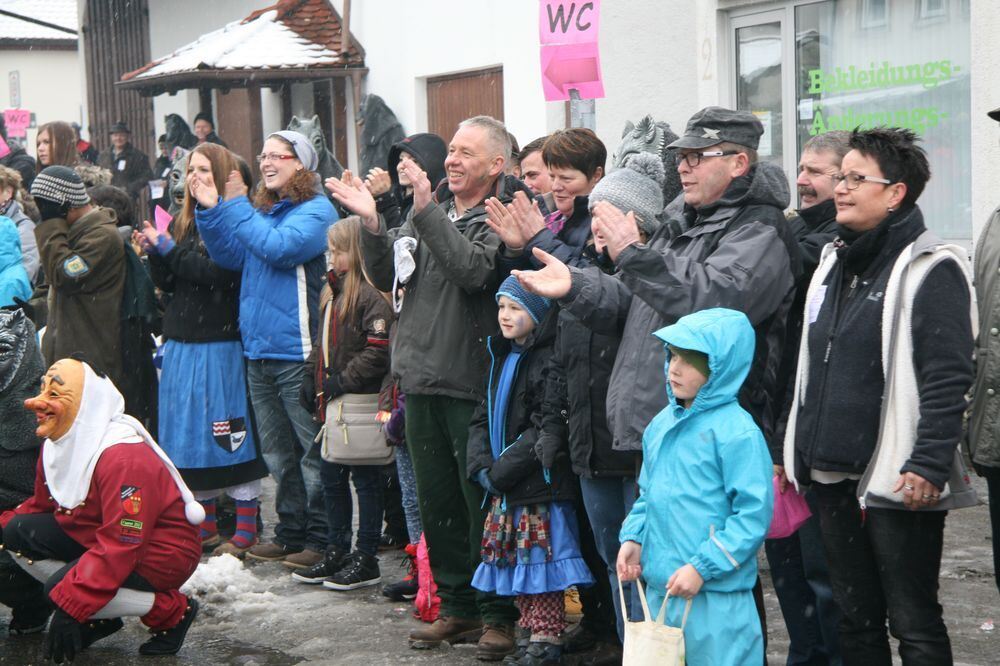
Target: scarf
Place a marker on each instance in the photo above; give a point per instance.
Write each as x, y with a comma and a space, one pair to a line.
555, 221
498, 420
69, 461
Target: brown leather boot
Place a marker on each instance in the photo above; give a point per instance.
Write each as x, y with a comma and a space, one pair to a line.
496, 642
449, 630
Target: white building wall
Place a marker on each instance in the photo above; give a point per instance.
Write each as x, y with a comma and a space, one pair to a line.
51, 86
985, 172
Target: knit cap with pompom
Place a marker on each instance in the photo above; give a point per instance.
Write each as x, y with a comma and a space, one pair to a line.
636, 186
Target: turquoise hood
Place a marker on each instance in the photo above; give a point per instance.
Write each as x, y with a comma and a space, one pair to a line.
13, 278
705, 484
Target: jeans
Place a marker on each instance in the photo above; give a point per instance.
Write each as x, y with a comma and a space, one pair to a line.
884, 563
340, 508
408, 487
286, 432
802, 584
451, 506
608, 501
992, 475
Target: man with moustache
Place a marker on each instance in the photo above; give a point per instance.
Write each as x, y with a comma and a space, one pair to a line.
798, 562
445, 257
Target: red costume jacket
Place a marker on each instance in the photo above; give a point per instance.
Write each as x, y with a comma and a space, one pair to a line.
132, 520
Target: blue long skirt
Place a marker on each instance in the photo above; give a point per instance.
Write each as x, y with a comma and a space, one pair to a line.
205, 420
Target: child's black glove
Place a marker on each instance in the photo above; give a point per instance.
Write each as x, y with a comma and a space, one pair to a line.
546, 447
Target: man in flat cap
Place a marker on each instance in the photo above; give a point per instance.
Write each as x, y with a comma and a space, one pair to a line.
984, 421
734, 251
129, 166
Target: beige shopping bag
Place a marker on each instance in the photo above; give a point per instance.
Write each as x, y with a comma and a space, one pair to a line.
650, 642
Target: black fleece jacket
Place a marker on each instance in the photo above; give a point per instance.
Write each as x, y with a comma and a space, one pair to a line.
838, 423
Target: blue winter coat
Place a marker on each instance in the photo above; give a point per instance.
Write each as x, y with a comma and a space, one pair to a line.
705, 485
281, 256
14, 280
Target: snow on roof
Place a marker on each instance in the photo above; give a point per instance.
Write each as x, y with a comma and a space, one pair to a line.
58, 12
292, 34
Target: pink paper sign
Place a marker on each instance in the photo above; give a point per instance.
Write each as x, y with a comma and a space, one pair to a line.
162, 219
570, 57
17, 121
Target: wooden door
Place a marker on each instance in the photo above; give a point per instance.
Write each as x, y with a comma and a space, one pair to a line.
455, 97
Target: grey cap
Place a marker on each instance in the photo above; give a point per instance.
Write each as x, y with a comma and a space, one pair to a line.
61, 185
994, 114
714, 125
636, 186
302, 147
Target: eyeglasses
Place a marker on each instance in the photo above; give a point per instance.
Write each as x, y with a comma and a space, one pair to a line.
853, 180
694, 159
273, 157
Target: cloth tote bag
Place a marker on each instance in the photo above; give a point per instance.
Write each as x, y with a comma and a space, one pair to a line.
650, 642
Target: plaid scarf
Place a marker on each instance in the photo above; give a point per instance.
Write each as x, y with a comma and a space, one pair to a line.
504, 544
555, 221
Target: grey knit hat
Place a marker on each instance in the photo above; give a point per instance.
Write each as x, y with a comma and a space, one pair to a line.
302, 147
61, 185
636, 186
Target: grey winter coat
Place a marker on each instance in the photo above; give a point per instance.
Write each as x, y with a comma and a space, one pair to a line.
26, 230
735, 253
984, 418
448, 307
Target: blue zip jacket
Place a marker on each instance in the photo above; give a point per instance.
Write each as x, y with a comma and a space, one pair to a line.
705, 485
281, 256
13, 278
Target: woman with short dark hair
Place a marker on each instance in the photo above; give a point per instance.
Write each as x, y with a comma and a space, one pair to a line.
884, 365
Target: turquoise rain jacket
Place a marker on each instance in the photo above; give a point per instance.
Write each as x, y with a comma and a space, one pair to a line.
705, 485
14, 281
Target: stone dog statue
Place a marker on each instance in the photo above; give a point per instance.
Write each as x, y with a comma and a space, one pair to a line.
380, 129
328, 166
650, 136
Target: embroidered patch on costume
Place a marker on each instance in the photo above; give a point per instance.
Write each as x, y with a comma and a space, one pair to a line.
131, 530
75, 266
131, 524
131, 499
231, 434
378, 325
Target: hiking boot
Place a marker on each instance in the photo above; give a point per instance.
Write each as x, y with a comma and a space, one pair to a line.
406, 589
522, 637
541, 654
230, 548
303, 559
271, 552
332, 562
449, 630
171, 640
571, 602
496, 642
95, 630
359, 570
29, 620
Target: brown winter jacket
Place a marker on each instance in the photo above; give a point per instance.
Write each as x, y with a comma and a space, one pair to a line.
84, 263
355, 351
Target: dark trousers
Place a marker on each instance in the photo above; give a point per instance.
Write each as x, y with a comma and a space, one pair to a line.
802, 584
38, 536
19, 591
451, 506
884, 563
368, 484
992, 476
392, 503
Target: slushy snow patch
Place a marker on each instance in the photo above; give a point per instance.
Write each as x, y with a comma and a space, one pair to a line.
227, 589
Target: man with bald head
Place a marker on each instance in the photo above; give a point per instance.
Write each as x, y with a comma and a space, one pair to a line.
443, 258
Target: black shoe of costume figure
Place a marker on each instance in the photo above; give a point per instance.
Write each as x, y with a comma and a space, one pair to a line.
171, 640
95, 630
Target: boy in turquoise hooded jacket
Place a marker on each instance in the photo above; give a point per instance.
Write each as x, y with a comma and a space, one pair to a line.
705, 498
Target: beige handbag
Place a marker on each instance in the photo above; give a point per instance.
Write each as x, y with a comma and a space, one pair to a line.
648, 642
352, 434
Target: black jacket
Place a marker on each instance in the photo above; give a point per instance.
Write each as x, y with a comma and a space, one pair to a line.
204, 303
813, 228
21, 162
129, 168
838, 424
518, 473
567, 246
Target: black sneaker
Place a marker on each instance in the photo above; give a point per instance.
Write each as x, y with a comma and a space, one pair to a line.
406, 589
333, 561
359, 570
171, 640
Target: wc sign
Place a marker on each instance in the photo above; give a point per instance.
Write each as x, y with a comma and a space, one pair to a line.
570, 57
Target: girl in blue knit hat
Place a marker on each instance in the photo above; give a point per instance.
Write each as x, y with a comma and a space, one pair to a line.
530, 546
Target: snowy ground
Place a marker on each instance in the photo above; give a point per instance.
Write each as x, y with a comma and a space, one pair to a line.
257, 615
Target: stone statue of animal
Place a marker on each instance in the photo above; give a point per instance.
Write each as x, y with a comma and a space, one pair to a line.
179, 133
379, 131
176, 179
650, 136
328, 166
